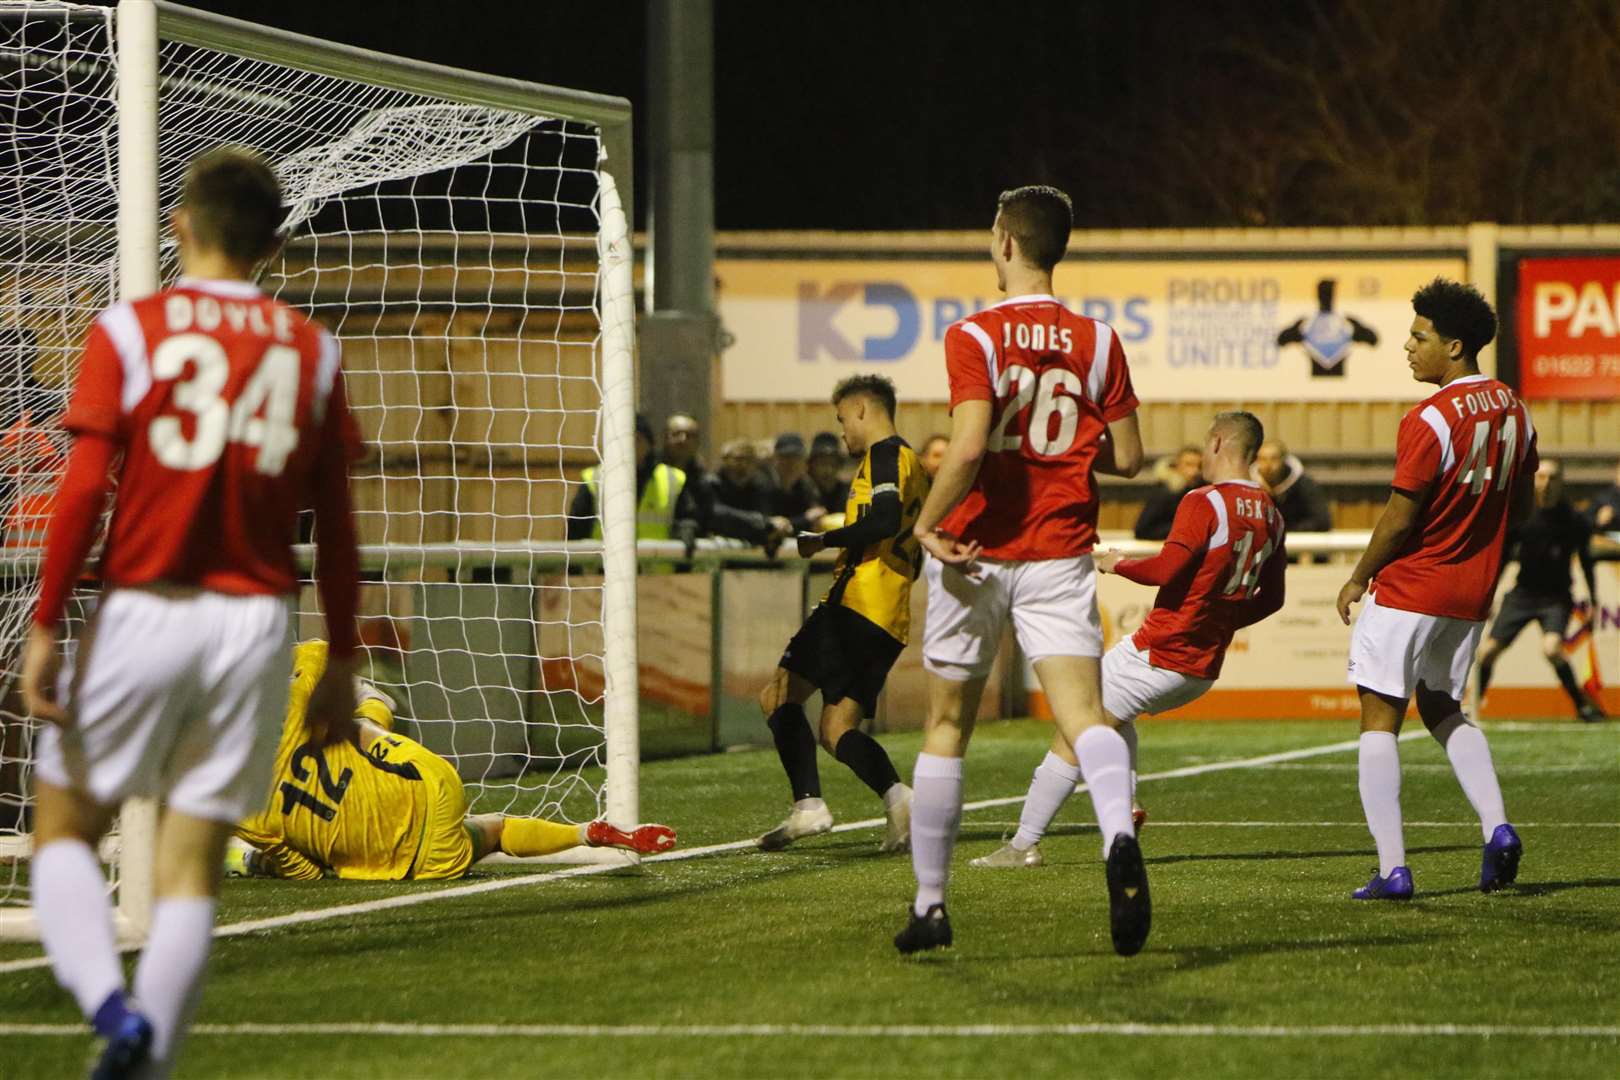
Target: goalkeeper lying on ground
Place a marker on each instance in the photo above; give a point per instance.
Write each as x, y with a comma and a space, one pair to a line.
381, 807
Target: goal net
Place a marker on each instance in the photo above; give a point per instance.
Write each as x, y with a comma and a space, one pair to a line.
463, 238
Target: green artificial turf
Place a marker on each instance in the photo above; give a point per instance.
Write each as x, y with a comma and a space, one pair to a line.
1255, 940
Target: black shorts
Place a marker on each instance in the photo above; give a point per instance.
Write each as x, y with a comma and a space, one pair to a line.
1519, 608
843, 654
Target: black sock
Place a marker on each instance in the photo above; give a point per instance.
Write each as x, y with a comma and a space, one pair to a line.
868, 760
1485, 669
1567, 677
796, 746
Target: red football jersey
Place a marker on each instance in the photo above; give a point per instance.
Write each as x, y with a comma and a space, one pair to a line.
1055, 381
1224, 563
223, 401
1463, 450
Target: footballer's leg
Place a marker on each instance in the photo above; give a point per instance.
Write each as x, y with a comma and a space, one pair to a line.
527, 837
1073, 685
936, 806
76, 918
1470, 757
1378, 771
169, 975
782, 702
1552, 647
843, 739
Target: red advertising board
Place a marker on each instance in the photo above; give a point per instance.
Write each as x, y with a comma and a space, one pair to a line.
1569, 328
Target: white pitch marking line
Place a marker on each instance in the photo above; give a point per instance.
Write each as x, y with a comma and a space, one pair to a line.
870, 1031
298, 918
1155, 823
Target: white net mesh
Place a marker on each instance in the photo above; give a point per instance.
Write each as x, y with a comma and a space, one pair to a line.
452, 249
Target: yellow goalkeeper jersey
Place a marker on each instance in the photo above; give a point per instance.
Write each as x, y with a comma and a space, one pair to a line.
342, 811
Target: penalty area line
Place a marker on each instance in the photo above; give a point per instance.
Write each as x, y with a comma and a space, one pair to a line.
411, 899
869, 1031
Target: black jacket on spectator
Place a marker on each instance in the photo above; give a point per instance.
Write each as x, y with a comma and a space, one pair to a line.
1153, 523
1611, 500
1301, 500
796, 501
834, 498
741, 511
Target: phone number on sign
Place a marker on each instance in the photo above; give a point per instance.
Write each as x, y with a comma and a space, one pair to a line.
1577, 366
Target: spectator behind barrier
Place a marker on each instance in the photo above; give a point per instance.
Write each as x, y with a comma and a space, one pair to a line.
1604, 513
827, 460
1298, 496
793, 495
665, 507
740, 499
933, 452
1179, 474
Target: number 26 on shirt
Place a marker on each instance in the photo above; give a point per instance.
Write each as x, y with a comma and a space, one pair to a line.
1022, 386
272, 391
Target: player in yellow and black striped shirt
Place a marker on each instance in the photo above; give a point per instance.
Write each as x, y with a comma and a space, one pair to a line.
852, 638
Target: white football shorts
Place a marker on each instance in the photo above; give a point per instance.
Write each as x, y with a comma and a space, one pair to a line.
1392, 650
174, 695
1052, 603
1131, 686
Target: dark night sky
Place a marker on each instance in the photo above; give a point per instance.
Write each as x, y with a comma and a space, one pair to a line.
904, 114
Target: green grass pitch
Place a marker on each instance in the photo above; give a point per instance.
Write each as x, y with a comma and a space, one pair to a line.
738, 963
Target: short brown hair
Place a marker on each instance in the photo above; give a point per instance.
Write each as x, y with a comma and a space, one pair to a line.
234, 201
1039, 217
873, 386
1245, 429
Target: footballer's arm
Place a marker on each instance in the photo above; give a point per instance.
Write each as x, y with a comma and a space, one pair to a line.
1121, 453
882, 517
80, 500
1267, 599
970, 434
329, 715
1394, 526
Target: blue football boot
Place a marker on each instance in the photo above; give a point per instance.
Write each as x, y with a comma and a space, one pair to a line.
127, 1049
1398, 886
1500, 864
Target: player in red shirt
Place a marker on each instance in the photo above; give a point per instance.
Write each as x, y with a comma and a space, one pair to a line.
1041, 399
1465, 461
1221, 569
222, 414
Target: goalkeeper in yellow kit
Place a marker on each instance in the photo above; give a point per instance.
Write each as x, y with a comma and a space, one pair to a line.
382, 807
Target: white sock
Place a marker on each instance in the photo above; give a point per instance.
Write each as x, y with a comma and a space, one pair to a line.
815, 803
168, 980
895, 795
936, 811
1105, 762
1380, 780
76, 921
1049, 788
1470, 758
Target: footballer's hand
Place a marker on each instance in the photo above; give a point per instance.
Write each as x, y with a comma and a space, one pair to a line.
330, 715
781, 527
41, 661
1105, 561
948, 549
809, 544
1352, 592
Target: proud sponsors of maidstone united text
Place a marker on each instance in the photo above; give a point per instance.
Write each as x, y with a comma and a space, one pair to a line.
1259, 329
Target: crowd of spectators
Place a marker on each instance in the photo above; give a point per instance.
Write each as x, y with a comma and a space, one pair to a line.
759, 494
763, 493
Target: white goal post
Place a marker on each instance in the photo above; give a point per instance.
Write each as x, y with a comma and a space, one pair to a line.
467, 238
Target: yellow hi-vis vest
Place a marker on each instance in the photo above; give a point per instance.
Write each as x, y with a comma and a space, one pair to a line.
656, 514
